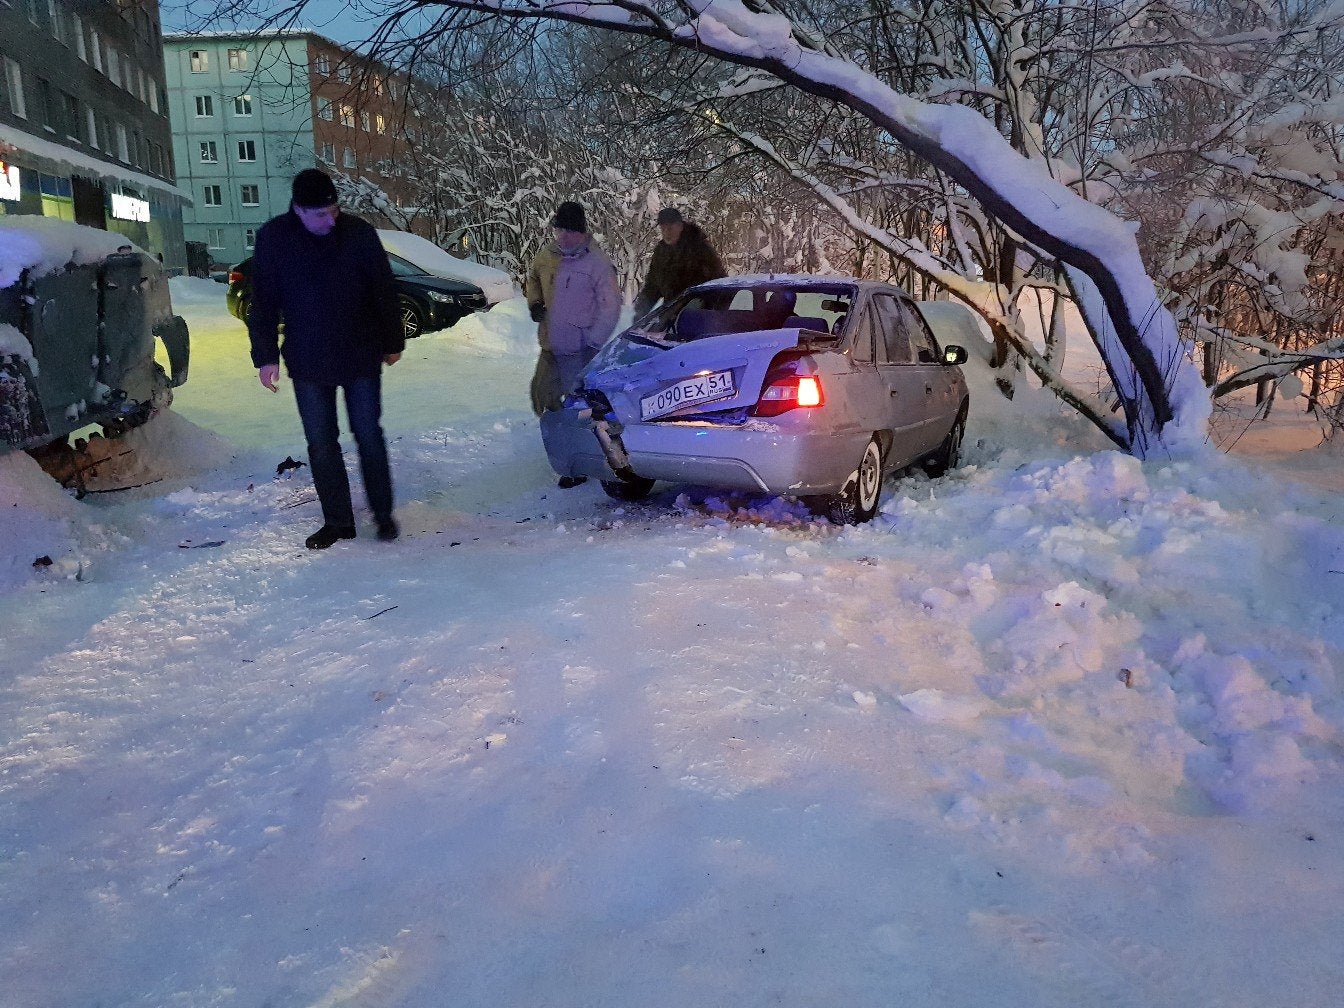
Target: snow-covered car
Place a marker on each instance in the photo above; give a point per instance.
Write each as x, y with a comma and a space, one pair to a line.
816, 387
495, 284
80, 311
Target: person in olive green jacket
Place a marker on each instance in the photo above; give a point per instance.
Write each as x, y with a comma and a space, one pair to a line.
538, 287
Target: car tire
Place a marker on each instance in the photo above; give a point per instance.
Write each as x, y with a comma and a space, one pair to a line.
412, 317
628, 489
858, 501
948, 455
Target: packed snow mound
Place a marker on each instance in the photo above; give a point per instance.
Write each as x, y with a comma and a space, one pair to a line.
35, 516
497, 285
45, 244
166, 447
197, 291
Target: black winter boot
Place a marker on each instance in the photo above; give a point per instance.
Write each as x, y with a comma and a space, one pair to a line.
327, 535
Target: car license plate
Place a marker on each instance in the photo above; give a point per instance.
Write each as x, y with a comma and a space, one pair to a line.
701, 388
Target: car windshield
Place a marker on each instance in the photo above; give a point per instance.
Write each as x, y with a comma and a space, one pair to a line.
400, 267
720, 309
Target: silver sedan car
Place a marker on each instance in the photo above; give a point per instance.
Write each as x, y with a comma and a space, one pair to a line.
816, 387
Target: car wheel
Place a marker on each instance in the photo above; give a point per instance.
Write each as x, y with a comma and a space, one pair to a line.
857, 502
412, 318
948, 454
628, 489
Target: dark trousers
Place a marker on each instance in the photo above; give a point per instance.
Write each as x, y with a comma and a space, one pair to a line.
364, 410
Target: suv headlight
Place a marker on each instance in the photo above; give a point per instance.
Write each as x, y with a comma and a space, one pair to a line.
441, 298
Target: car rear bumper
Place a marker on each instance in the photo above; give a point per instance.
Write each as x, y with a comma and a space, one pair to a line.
759, 456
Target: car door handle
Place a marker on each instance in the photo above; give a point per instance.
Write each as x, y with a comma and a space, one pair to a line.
894, 393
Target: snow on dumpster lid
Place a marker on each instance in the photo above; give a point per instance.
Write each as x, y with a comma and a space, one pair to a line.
45, 244
497, 285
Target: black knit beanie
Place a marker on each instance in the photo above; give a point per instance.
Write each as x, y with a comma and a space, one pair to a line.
313, 188
569, 217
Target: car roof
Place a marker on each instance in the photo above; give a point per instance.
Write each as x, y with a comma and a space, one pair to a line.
808, 280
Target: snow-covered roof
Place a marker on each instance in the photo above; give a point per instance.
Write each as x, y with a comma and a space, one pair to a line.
53, 151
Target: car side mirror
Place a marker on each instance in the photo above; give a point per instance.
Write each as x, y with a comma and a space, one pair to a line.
954, 354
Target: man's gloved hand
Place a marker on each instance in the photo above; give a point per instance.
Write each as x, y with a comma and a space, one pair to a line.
537, 310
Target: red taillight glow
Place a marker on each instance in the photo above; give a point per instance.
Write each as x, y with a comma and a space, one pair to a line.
235, 277
789, 392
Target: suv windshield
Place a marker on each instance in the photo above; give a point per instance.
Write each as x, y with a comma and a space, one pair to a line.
720, 309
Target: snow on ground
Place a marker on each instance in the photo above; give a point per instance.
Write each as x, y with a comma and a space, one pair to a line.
1060, 729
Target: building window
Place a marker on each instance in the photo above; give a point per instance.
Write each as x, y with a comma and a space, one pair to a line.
96, 49
91, 127
322, 65
250, 237
342, 72
33, 14
56, 16
113, 65
77, 29
209, 153
46, 105
13, 92
216, 239
123, 147
349, 159
242, 105
250, 195
247, 150
324, 109
205, 106
347, 115
71, 117
364, 121
329, 154
212, 196
200, 61
237, 59
381, 123
153, 97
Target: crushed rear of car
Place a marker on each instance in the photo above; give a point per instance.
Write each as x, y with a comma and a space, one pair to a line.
816, 387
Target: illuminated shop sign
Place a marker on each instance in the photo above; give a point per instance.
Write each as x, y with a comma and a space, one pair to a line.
9, 181
129, 208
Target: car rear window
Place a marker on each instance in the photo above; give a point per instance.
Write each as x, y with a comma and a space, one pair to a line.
720, 310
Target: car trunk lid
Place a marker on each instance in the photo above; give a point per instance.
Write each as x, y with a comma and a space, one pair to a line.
694, 380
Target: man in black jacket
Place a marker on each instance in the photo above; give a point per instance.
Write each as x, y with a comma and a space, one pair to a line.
328, 278
683, 258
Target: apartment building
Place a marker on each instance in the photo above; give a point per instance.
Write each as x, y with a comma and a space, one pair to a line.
84, 130
251, 110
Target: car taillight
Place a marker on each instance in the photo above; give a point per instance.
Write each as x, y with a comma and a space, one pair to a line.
235, 277
785, 391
